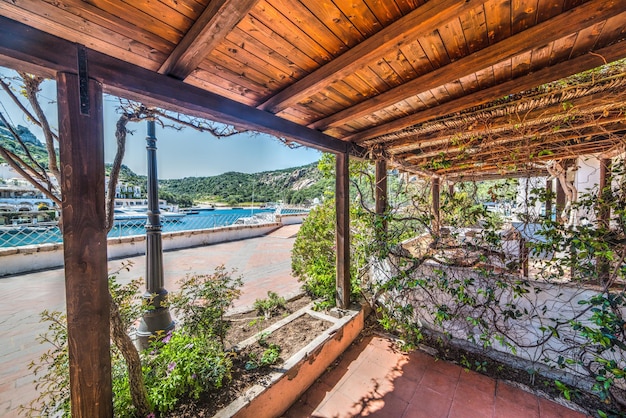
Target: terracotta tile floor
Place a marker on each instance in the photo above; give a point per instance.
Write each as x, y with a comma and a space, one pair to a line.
374, 379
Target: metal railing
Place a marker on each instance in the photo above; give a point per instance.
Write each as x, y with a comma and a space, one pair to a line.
34, 234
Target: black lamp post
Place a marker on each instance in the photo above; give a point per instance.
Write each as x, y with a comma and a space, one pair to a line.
156, 318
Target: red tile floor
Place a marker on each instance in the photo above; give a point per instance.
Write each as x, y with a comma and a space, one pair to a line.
374, 379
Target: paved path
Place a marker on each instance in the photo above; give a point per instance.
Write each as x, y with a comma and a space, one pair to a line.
264, 263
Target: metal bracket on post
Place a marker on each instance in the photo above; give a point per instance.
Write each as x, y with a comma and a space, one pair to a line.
83, 80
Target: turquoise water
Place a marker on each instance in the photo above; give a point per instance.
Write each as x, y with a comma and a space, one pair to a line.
16, 237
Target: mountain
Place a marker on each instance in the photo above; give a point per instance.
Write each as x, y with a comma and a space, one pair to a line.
291, 185
35, 147
25, 133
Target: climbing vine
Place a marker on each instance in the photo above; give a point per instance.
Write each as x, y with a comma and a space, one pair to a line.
466, 281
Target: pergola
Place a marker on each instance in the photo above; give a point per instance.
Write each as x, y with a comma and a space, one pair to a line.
442, 88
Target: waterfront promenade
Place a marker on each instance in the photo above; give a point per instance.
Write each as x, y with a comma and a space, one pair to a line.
264, 264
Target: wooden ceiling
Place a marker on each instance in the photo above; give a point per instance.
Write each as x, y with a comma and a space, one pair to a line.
438, 87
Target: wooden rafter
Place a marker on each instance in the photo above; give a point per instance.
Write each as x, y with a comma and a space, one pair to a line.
422, 20
217, 20
540, 77
521, 146
502, 161
402, 77
588, 14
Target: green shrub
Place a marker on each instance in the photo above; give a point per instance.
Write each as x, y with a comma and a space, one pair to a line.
184, 366
314, 255
203, 300
270, 356
269, 306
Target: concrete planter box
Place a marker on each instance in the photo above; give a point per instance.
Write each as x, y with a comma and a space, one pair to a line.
301, 370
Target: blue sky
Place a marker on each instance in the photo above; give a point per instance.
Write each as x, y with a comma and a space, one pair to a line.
185, 153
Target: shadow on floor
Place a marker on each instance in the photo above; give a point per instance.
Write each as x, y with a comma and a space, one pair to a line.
375, 379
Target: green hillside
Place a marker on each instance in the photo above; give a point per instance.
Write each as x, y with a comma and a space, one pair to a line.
35, 147
293, 185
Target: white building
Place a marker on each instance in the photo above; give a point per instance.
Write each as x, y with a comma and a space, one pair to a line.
19, 195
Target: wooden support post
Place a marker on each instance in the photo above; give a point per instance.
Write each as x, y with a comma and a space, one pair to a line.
523, 256
560, 201
342, 207
451, 189
381, 198
549, 184
604, 214
436, 222
604, 210
81, 149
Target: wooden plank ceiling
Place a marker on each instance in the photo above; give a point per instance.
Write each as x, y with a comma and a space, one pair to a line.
439, 87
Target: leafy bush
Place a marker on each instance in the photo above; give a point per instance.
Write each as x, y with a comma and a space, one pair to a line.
267, 307
51, 371
570, 318
270, 355
202, 302
184, 366
314, 252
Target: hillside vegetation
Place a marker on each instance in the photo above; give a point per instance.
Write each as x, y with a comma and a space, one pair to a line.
293, 185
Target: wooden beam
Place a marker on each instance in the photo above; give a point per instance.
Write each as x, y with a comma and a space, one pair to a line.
381, 197
210, 29
584, 16
604, 197
424, 19
495, 175
502, 161
81, 149
21, 42
576, 65
560, 201
342, 207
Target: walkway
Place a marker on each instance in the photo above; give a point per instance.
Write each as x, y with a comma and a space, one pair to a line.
375, 380
264, 264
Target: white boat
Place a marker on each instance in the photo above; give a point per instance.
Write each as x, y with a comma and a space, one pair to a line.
134, 216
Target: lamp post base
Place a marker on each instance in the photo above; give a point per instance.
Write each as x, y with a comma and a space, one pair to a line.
154, 324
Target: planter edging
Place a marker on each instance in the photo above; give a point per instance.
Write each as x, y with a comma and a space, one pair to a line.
298, 372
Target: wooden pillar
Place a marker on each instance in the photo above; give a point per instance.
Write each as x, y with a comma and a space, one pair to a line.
342, 207
523, 256
451, 189
381, 198
436, 222
604, 210
549, 197
560, 201
604, 214
81, 149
